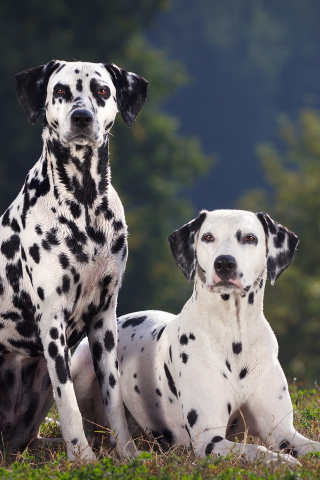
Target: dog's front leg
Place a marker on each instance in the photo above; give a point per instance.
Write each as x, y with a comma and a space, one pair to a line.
57, 356
103, 345
273, 416
206, 419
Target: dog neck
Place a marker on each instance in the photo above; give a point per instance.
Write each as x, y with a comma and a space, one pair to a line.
79, 173
245, 307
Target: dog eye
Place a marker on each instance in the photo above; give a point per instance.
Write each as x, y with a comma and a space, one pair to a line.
102, 91
59, 90
250, 239
207, 237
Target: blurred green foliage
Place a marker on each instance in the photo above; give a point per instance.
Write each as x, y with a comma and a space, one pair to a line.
150, 163
292, 306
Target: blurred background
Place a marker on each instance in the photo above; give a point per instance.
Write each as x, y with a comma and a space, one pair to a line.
231, 121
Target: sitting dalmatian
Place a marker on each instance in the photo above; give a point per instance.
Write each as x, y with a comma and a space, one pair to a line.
63, 254
211, 373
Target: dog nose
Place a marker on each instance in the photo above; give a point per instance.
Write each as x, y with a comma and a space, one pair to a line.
225, 266
81, 118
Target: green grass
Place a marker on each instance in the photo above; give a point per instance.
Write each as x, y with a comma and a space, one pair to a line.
178, 463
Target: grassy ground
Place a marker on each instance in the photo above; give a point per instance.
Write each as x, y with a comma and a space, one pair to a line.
179, 463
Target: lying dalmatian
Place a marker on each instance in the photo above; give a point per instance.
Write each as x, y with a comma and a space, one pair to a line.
211, 373
63, 253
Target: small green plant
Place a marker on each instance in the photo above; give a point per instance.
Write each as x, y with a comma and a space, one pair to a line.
179, 463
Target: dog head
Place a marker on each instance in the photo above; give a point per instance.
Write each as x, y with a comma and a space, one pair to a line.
81, 99
230, 249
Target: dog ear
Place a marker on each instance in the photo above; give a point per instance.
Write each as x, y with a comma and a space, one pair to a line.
131, 92
182, 245
281, 244
32, 89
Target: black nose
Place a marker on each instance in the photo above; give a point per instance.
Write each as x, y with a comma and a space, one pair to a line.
225, 266
81, 118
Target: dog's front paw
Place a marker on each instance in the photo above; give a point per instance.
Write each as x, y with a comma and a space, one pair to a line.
284, 458
81, 452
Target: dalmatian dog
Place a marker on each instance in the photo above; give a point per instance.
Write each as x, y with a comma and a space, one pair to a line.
211, 373
63, 254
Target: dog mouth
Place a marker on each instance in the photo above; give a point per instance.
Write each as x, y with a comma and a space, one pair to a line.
81, 139
224, 286
225, 283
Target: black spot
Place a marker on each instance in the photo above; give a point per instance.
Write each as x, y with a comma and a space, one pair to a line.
118, 244
170, 353
74, 441
51, 237
53, 350
160, 333
65, 284
40, 292
11, 246
184, 357
134, 322
261, 283
109, 340
237, 348
61, 369
228, 365
35, 252
184, 340
46, 245
210, 445
14, 273
238, 235
243, 373
171, 383
112, 380
134, 375
251, 298
192, 417
137, 388
15, 226
54, 333
59, 392
97, 351
98, 324
79, 85
225, 297
192, 337
62, 340
229, 408
75, 209
117, 225
158, 392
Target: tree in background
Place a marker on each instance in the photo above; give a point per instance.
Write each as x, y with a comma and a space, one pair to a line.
292, 306
151, 164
